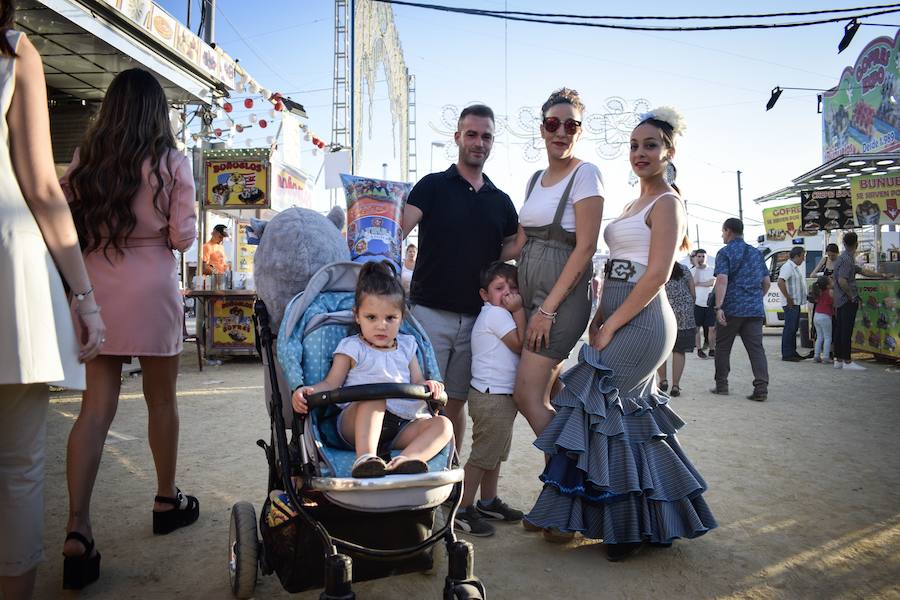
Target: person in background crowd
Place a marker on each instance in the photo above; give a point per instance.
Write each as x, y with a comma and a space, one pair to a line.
826, 263
846, 301
704, 314
38, 241
822, 307
559, 227
465, 223
408, 266
792, 283
213, 252
681, 294
742, 281
132, 198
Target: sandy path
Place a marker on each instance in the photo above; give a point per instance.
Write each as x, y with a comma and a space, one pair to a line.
805, 488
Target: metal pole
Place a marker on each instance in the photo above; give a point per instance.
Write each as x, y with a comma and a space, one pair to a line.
352, 58
209, 24
698, 234
190, 6
740, 201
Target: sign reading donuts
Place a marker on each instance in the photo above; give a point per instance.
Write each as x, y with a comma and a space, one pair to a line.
240, 181
824, 210
876, 199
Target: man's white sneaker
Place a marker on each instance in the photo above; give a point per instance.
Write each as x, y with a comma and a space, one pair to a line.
838, 364
854, 366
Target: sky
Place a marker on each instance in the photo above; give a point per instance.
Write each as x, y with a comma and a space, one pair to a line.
720, 81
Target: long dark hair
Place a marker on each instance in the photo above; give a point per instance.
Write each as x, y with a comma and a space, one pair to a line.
132, 126
819, 287
7, 20
379, 279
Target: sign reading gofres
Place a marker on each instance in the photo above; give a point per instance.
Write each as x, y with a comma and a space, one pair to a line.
858, 115
784, 223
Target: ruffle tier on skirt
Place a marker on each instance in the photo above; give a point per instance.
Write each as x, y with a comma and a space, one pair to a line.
616, 470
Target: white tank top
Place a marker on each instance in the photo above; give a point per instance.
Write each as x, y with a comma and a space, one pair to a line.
628, 238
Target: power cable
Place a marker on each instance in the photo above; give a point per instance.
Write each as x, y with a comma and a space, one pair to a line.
499, 15
690, 18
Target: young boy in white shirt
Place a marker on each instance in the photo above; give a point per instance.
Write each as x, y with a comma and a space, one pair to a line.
497, 338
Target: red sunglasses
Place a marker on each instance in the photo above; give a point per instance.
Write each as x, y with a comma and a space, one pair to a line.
571, 126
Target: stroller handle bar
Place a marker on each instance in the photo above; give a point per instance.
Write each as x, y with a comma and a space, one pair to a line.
376, 391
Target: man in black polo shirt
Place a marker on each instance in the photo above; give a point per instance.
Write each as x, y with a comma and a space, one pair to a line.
465, 223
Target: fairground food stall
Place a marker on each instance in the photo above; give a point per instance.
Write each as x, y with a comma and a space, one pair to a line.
235, 180
858, 186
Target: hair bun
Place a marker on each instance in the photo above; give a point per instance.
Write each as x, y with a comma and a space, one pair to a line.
669, 115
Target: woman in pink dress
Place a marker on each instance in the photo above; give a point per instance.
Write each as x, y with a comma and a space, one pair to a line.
132, 198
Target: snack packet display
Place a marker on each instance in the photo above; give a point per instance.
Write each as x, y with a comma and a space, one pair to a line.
279, 508
374, 210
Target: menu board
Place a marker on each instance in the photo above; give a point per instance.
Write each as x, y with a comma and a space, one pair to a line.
824, 210
783, 223
232, 323
875, 199
877, 326
241, 181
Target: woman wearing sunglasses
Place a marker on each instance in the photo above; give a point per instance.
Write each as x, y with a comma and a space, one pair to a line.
616, 471
559, 225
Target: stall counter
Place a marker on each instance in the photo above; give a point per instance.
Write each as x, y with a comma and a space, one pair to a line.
877, 328
225, 321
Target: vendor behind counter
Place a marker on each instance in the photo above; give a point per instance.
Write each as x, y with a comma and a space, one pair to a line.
213, 252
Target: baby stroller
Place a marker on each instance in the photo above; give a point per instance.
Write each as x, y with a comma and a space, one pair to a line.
320, 527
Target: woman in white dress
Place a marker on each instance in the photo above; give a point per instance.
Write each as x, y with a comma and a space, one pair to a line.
39, 346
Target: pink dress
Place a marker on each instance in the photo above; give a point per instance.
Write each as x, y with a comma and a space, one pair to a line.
138, 290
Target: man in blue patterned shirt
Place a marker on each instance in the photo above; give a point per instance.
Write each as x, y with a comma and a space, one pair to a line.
741, 283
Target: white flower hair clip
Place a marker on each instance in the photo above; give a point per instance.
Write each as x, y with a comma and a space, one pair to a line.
669, 115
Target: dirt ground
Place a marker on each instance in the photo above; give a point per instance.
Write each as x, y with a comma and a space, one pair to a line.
805, 488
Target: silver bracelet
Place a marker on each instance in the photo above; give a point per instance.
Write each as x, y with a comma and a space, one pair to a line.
89, 312
80, 297
549, 315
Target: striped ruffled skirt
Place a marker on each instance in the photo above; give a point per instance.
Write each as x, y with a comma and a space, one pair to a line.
616, 470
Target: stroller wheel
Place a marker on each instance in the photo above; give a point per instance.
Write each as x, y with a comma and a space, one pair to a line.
467, 591
243, 550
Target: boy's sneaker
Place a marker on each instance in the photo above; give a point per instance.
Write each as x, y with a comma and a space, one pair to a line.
852, 366
701, 353
468, 520
499, 510
712, 353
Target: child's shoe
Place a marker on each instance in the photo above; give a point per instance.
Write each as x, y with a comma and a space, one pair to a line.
468, 520
499, 510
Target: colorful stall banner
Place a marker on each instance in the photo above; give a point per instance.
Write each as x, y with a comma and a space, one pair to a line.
245, 250
877, 326
290, 187
824, 210
858, 115
875, 199
784, 223
239, 182
374, 208
232, 322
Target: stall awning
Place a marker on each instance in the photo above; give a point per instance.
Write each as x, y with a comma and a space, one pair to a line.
84, 44
837, 173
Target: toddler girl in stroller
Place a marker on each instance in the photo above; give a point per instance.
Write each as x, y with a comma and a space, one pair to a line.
380, 354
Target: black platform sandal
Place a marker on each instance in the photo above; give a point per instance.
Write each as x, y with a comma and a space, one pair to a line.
186, 511
80, 571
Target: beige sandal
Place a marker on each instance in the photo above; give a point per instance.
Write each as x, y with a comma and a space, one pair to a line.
402, 465
368, 466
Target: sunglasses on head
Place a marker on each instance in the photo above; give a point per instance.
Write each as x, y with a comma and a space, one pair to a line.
571, 126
